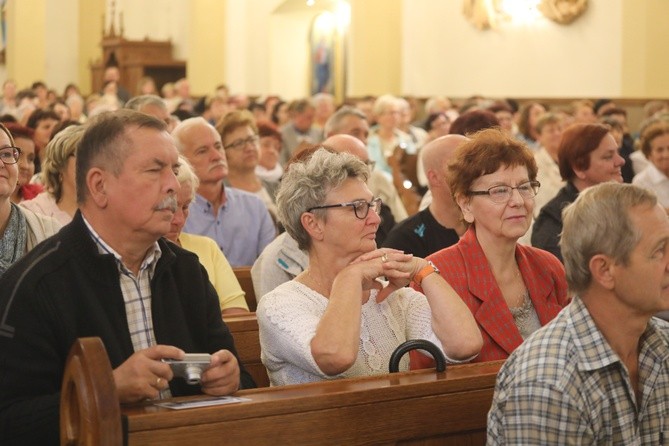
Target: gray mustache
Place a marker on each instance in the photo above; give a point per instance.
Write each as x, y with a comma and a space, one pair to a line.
168, 203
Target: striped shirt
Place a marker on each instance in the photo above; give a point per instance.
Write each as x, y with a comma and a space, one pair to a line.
566, 385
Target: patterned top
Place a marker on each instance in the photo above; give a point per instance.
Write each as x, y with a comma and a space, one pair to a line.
565, 385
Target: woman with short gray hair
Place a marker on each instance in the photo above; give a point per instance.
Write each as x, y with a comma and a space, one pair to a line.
345, 314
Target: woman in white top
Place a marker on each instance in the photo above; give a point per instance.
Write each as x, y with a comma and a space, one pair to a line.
337, 318
655, 146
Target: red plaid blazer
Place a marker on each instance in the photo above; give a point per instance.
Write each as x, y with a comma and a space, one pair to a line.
466, 268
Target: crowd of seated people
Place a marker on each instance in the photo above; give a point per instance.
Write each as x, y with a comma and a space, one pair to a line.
339, 236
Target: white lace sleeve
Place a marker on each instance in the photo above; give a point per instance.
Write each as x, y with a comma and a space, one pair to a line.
287, 319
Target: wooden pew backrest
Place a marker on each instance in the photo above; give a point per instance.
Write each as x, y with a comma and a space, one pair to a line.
243, 274
244, 329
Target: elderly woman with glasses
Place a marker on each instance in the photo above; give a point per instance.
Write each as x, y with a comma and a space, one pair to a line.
511, 289
20, 229
348, 311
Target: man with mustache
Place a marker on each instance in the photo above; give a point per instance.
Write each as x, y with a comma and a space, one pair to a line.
110, 274
238, 221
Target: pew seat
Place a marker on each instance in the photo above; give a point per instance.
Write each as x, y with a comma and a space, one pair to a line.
412, 408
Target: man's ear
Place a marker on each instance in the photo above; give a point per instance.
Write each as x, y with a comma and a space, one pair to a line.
314, 226
465, 206
96, 181
602, 269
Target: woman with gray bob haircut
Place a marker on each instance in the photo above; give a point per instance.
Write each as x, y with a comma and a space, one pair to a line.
59, 199
348, 311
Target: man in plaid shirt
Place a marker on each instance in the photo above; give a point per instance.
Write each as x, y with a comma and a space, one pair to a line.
598, 373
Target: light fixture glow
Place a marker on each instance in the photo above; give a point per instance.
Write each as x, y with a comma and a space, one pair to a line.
311, 2
521, 11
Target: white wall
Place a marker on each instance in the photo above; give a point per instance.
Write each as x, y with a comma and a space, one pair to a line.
62, 43
156, 19
443, 53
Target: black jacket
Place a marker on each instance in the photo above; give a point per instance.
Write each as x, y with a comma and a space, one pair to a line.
548, 225
64, 289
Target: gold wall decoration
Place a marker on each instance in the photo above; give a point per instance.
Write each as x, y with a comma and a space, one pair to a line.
563, 11
487, 14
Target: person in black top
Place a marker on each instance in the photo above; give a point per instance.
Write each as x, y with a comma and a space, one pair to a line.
111, 274
440, 224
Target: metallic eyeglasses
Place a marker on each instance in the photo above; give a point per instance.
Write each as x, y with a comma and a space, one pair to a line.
502, 194
360, 207
10, 155
241, 143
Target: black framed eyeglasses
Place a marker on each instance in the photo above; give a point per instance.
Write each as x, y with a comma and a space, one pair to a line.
360, 207
10, 155
241, 143
502, 194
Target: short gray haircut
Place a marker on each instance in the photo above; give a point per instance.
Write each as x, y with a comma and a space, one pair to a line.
139, 102
106, 143
599, 222
186, 175
306, 185
384, 102
184, 126
333, 124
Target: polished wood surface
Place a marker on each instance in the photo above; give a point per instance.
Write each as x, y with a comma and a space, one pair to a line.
244, 328
89, 409
243, 274
412, 408
421, 407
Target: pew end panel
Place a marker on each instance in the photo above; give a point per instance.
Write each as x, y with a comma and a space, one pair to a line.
89, 411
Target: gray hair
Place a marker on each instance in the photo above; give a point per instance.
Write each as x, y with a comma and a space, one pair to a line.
56, 155
599, 222
186, 175
307, 183
106, 143
333, 124
139, 102
186, 125
384, 102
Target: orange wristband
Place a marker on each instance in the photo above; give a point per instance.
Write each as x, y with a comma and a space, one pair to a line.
424, 272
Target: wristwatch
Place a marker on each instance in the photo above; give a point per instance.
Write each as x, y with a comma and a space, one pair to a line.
424, 272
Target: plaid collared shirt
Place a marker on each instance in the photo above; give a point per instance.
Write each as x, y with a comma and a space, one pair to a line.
136, 292
565, 385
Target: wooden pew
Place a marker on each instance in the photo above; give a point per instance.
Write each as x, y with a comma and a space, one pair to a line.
243, 274
413, 408
244, 328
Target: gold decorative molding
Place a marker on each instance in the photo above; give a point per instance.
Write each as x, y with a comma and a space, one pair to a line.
487, 14
563, 11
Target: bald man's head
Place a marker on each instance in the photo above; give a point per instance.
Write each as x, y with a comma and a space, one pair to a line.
349, 144
436, 154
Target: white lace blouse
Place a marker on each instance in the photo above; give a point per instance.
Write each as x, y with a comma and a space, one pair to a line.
288, 317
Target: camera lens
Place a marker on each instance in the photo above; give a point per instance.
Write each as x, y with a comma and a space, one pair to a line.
193, 374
